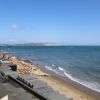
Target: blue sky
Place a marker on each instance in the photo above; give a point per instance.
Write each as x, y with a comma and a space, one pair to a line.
71, 22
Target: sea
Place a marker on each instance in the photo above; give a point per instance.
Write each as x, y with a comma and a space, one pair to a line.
78, 63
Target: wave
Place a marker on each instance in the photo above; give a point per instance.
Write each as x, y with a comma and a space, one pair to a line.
49, 68
91, 85
53, 70
62, 72
60, 68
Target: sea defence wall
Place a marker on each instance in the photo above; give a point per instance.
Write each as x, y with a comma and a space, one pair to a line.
40, 96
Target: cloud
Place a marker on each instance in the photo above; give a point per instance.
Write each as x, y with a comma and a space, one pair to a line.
14, 26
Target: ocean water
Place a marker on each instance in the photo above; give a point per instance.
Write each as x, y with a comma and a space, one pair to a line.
79, 63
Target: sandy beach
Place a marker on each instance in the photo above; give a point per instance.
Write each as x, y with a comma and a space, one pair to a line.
67, 89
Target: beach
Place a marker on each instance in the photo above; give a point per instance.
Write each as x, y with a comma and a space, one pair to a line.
67, 88
50, 49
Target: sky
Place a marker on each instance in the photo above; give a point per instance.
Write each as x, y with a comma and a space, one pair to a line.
70, 22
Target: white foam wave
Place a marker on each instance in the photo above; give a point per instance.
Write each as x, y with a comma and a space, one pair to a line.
53, 70
92, 85
49, 68
68, 75
60, 68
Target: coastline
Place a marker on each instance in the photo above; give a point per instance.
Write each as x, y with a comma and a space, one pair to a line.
71, 88
64, 86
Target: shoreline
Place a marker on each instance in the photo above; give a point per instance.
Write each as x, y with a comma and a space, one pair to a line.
77, 86
63, 85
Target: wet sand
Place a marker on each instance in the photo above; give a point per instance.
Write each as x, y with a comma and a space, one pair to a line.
71, 89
